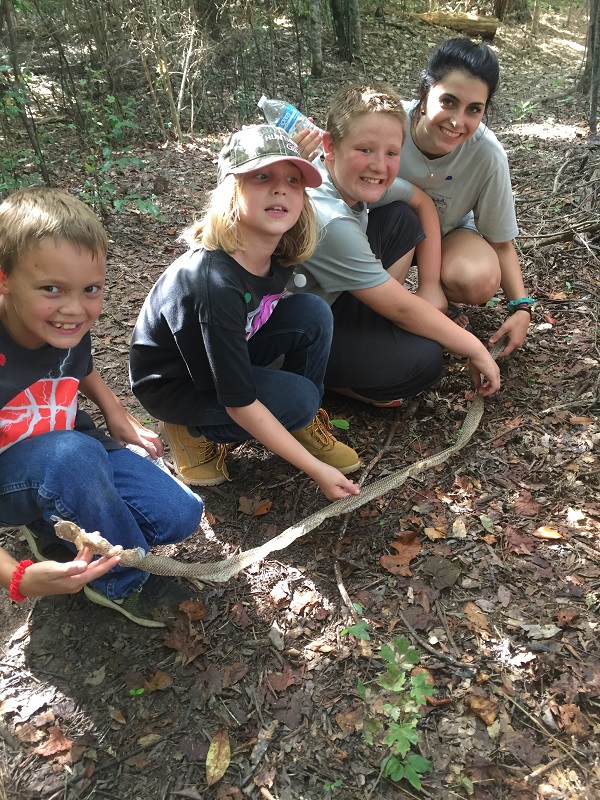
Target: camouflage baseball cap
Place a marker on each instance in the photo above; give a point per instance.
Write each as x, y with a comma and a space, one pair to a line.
258, 145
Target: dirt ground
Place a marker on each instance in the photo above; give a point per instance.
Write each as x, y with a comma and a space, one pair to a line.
491, 565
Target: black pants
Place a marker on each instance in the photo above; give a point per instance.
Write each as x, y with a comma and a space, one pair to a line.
369, 353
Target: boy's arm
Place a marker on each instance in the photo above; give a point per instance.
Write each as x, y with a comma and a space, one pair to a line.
429, 250
262, 425
50, 577
120, 423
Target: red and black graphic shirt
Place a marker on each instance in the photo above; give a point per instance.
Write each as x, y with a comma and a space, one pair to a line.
38, 389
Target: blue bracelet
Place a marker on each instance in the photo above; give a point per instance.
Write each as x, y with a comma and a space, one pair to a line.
522, 301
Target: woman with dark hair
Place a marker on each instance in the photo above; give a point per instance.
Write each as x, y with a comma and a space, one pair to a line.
453, 156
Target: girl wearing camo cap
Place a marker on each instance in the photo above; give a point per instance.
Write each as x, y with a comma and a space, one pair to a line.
217, 318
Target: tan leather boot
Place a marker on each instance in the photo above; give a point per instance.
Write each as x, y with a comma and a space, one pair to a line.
319, 441
198, 462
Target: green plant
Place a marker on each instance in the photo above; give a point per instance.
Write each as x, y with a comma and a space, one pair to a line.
524, 109
330, 786
393, 711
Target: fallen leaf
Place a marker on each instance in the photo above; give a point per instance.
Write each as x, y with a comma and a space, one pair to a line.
475, 620
262, 508
483, 707
434, 533
444, 573
193, 749
239, 616
189, 645
546, 533
408, 548
265, 777
57, 742
150, 738
517, 542
218, 757
96, 677
526, 505
540, 631
301, 599
193, 609
228, 792
567, 616
254, 506
574, 722
279, 681
351, 719
117, 716
581, 420
160, 681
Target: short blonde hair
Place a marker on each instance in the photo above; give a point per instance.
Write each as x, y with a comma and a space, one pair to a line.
362, 98
218, 228
29, 215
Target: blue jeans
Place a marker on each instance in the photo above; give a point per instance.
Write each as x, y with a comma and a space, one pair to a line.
125, 497
300, 330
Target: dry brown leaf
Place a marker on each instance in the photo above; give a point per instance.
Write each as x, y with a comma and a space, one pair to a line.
262, 508
239, 616
526, 505
351, 719
254, 506
546, 533
407, 550
475, 619
150, 738
279, 681
57, 742
219, 755
581, 420
117, 716
434, 533
193, 609
483, 707
160, 681
574, 722
302, 599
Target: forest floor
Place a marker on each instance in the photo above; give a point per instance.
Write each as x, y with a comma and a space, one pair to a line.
494, 572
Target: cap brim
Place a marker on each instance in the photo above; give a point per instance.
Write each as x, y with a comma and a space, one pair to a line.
311, 175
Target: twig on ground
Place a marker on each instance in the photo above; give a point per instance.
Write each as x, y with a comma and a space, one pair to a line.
426, 646
409, 412
544, 768
539, 726
442, 617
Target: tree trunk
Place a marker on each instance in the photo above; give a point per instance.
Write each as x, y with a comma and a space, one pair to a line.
590, 53
316, 46
537, 9
517, 10
595, 67
346, 28
20, 90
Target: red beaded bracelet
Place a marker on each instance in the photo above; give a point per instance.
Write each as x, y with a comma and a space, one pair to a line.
15, 581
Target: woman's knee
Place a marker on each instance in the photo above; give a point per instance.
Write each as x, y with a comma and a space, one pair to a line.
470, 268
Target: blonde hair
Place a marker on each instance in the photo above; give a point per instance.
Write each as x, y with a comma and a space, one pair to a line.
29, 215
362, 98
218, 228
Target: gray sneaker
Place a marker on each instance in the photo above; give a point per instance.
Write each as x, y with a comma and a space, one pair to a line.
44, 550
156, 594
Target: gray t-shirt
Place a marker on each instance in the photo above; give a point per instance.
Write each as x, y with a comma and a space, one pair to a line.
473, 178
343, 260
